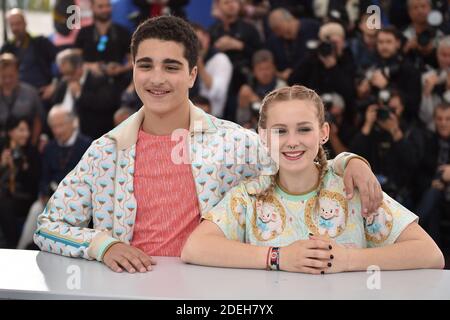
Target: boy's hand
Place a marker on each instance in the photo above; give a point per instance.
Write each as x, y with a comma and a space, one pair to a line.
121, 256
358, 174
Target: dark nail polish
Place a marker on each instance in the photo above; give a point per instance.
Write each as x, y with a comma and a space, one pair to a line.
331, 248
310, 234
329, 264
331, 257
322, 272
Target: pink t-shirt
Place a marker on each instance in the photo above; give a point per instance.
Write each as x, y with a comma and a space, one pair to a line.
167, 204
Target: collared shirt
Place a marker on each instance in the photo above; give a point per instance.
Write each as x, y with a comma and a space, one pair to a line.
69, 99
71, 141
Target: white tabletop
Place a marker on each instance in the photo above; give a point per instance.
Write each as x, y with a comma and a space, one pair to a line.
39, 275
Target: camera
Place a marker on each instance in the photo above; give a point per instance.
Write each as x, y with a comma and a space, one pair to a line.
384, 110
326, 49
327, 100
434, 19
17, 154
382, 101
389, 71
256, 107
426, 36
440, 89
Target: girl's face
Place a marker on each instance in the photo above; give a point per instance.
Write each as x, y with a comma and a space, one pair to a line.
20, 134
294, 134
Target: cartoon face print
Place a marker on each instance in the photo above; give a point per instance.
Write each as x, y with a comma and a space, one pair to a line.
378, 226
269, 219
331, 218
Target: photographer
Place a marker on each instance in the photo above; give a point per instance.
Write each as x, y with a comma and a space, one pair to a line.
436, 85
434, 174
214, 73
392, 71
341, 130
60, 156
105, 46
392, 145
239, 40
91, 97
330, 67
363, 44
263, 81
19, 176
289, 39
422, 34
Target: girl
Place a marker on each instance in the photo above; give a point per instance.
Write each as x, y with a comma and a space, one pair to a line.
300, 220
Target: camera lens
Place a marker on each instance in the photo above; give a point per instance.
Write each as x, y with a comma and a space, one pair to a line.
325, 49
425, 38
383, 113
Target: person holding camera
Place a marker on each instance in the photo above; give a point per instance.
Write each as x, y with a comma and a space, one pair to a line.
422, 35
330, 67
105, 46
363, 44
436, 85
60, 156
392, 71
214, 73
239, 40
264, 79
91, 97
341, 130
289, 39
19, 176
393, 146
433, 181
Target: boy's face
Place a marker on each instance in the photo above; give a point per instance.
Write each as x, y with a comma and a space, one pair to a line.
161, 75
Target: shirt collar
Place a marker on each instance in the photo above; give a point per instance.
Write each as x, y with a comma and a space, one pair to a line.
71, 140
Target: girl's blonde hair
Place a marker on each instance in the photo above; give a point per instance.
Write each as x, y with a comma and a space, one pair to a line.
301, 93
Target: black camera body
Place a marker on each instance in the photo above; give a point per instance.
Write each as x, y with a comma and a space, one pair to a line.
384, 111
327, 100
382, 100
17, 154
426, 36
326, 49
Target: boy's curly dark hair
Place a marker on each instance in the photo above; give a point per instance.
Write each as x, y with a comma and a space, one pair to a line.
168, 28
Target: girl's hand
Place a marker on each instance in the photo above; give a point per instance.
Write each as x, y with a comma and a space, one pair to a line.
307, 256
339, 253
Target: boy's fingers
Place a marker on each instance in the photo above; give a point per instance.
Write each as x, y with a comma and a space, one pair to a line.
123, 262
